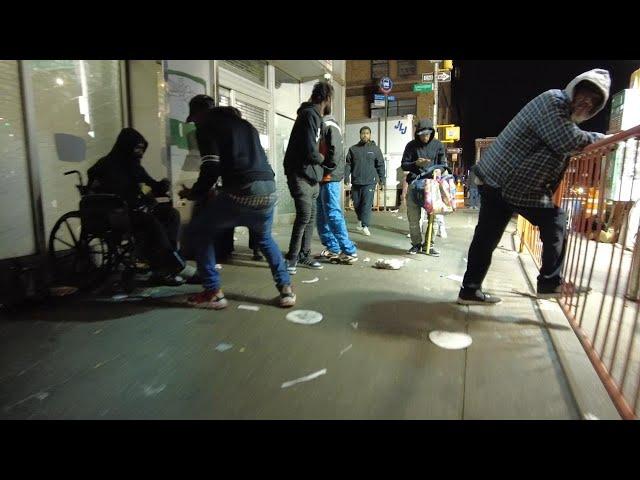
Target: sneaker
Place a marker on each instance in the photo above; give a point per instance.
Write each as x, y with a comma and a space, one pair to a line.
433, 252
287, 297
211, 299
477, 297
414, 249
348, 259
366, 232
310, 263
328, 254
359, 227
188, 271
291, 266
442, 232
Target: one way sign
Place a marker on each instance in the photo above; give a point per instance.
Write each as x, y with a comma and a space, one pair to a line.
444, 76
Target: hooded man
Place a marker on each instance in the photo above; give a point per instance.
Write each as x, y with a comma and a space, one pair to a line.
230, 148
420, 154
365, 166
519, 173
155, 225
304, 171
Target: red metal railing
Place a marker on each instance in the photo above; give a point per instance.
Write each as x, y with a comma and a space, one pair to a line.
602, 277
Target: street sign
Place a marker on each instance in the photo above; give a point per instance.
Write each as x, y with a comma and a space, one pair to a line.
427, 77
444, 76
378, 96
423, 87
386, 84
454, 150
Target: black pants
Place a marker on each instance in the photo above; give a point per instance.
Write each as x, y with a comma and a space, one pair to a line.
495, 214
362, 196
157, 233
305, 196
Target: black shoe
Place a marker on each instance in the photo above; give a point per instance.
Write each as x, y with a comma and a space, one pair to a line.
257, 257
415, 249
477, 297
433, 252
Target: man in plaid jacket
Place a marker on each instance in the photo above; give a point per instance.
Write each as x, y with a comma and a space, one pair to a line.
519, 173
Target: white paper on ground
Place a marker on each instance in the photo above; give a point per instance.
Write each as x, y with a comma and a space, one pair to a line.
389, 264
253, 308
304, 379
304, 317
223, 347
311, 281
355, 325
450, 340
346, 349
367, 259
456, 278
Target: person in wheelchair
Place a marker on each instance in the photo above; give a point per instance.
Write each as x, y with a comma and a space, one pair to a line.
155, 225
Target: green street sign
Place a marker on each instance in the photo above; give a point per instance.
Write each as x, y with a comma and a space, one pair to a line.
423, 87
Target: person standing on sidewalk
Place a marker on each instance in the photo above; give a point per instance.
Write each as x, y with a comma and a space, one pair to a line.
304, 171
365, 166
230, 148
519, 173
331, 225
421, 153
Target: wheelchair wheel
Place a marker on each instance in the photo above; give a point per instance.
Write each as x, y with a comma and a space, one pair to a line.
77, 259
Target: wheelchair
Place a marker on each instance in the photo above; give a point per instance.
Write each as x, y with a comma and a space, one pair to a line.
88, 245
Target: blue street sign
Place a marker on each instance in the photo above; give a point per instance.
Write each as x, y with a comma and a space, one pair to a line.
386, 85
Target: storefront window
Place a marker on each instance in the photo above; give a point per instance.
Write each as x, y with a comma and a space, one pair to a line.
16, 218
78, 115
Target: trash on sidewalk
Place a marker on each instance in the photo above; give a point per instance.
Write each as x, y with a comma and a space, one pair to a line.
367, 259
450, 340
304, 379
394, 211
345, 350
253, 308
455, 278
316, 279
392, 264
223, 347
590, 416
304, 317
354, 325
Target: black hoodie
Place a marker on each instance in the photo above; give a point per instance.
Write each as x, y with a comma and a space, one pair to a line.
432, 150
302, 157
230, 148
120, 171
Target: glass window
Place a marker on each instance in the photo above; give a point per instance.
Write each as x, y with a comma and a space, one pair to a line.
78, 115
287, 93
17, 236
379, 69
407, 68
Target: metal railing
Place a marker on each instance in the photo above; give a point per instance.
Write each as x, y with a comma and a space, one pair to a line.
602, 261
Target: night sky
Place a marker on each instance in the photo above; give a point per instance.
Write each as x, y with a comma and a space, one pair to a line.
489, 93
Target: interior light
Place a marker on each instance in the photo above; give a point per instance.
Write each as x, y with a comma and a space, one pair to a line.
59, 81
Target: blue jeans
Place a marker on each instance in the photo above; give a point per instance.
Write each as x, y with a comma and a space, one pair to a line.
474, 198
331, 225
221, 213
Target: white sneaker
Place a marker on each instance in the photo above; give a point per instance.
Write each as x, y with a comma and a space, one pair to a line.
365, 231
359, 227
442, 232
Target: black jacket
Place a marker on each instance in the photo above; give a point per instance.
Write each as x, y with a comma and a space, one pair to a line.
120, 171
332, 147
302, 157
365, 164
432, 150
230, 148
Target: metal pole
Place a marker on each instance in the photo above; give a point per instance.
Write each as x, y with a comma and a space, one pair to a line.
435, 96
384, 189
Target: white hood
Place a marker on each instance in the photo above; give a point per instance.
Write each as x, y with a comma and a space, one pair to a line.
600, 78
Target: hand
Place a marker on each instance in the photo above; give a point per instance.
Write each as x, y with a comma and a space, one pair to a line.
421, 162
164, 185
185, 192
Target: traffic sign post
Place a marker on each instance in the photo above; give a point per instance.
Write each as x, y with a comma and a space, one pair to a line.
386, 84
